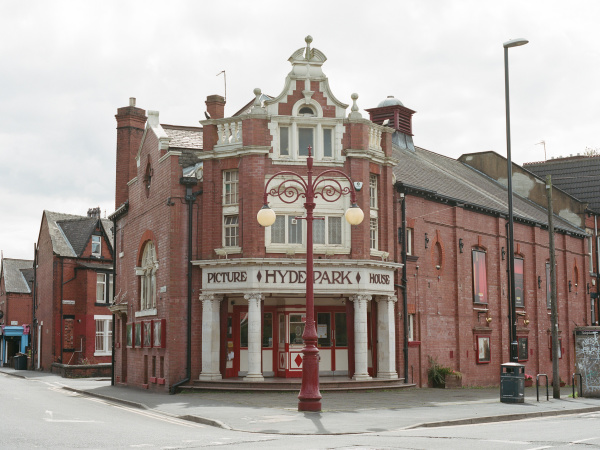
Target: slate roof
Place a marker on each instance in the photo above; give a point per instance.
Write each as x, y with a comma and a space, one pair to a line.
578, 176
444, 177
18, 275
70, 233
184, 137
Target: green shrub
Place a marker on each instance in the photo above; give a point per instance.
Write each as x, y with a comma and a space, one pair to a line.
437, 373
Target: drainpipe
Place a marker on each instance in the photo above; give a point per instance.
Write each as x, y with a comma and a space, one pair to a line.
114, 277
62, 325
404, 284
33, 331
595, 302
190, 198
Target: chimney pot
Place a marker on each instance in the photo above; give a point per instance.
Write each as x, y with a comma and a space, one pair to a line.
131, 101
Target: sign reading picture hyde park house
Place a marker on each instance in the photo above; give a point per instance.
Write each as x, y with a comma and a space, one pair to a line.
289, 276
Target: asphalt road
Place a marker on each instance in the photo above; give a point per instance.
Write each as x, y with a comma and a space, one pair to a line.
40, 414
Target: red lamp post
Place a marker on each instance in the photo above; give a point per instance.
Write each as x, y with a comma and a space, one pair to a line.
330, 190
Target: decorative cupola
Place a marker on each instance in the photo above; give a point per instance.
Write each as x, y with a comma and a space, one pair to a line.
392, 113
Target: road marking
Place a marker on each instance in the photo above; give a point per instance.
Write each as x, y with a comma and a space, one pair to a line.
582, 440
69, 421
500, 441
150, 414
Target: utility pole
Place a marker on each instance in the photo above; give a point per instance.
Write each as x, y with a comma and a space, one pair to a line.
553, 305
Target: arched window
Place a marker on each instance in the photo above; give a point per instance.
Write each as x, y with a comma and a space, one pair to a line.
306, 111
147, 274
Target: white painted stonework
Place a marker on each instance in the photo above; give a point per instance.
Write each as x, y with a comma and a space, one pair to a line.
254, 338
210, 336
361, 369
288, 276
386, 337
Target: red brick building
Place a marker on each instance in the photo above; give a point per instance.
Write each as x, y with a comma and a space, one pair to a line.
456, 271
203, 293
235, 287
16, 282
73, 280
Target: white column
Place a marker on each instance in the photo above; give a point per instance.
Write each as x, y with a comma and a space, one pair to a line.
211, 336
386, 337
254, 337
360, 337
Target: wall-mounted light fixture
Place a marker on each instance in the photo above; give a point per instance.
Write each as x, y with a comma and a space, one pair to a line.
539, 282
460, 245
503, 253
570, 285
426, 241
526, 321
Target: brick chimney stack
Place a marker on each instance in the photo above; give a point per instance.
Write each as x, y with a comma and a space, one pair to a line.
215, 106
131, 122
94, 212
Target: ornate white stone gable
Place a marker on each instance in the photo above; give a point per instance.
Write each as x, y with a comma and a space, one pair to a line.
306, 65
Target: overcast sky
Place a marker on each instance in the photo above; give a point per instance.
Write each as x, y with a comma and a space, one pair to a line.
65, 68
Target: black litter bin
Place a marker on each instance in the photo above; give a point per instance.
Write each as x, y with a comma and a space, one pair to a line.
512, 383
20, 361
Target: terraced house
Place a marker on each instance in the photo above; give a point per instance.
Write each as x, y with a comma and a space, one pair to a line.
73, 289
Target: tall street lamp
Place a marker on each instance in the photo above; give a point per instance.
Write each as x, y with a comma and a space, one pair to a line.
514, 348
330, 190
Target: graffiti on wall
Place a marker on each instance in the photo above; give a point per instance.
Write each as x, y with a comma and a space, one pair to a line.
587, 359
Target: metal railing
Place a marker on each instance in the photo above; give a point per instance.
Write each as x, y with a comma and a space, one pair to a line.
537, 386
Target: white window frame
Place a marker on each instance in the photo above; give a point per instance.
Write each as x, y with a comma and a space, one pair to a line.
373, 192
96, 242
374, 215
231, 209
105, 335
318, 124
323, 209
147, 274
105, 282
374, 233
231, 240
231, 179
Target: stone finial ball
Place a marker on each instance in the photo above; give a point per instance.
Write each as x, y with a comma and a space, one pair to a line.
354, 96
257, 91
308, 39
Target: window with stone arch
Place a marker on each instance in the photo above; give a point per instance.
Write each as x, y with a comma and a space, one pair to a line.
147, 274
305, 127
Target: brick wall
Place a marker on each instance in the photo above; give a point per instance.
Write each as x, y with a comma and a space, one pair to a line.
447, 321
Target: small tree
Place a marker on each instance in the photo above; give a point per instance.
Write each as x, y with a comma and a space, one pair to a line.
591, 151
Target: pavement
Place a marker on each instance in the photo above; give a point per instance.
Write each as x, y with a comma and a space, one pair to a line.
345, 412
